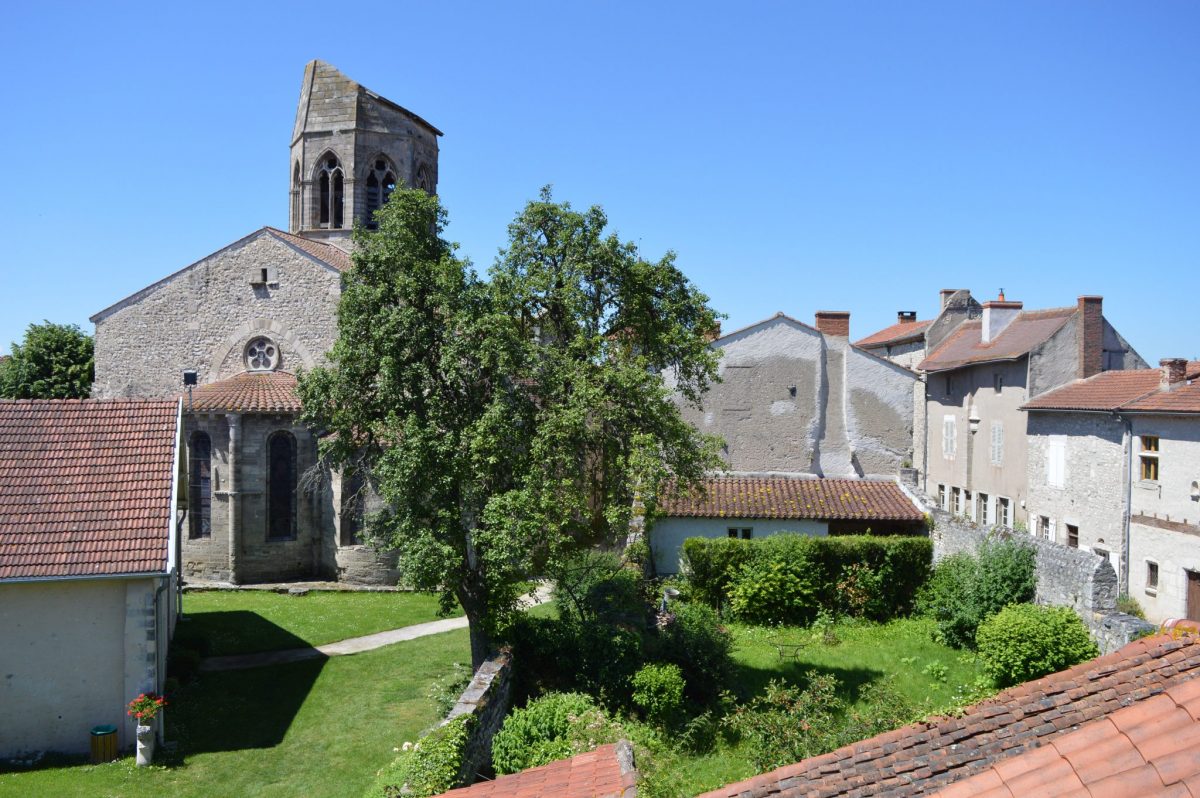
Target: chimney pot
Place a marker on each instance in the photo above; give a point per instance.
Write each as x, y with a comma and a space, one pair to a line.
906, 316
1174, 370
834, 322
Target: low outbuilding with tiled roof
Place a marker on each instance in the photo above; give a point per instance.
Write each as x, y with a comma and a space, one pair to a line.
89, 513
750, 506
607, 772
1124, 725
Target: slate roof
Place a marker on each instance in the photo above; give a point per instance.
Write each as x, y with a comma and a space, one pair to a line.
248, 392
326, 253
597, 774
85, 486
923, 758
897, 333
794, 497
1149, 748
965, 347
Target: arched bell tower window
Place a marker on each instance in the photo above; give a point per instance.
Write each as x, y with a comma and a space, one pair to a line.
296, 198
200, 487
281, 487
331, 187
381, 182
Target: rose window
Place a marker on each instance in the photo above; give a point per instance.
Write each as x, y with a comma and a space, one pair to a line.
262, 355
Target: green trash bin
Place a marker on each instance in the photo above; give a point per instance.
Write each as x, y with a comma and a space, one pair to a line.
104, 744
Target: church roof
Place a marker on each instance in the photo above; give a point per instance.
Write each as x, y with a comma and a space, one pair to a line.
86, 486
248, 392
326, 253
328, 95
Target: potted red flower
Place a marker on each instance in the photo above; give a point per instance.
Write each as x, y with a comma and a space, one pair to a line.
144, 710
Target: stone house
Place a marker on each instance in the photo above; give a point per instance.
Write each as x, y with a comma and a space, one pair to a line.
978, 376
801, 399
90, 507
1164, 494
243, 320
758, 506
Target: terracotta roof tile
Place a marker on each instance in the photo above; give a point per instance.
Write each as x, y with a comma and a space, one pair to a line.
1107, 390
1181, 398
326, 253
85, 486
965, 347
248, 392
897, 333
596, 774
793, 497
1060, 735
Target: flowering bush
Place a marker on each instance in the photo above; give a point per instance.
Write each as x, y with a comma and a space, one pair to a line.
145, 707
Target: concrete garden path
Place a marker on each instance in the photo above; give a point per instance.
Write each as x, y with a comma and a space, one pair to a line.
352, 645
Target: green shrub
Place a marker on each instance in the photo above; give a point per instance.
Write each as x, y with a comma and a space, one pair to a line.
710, 564
555, 726
658, 691
774, 591
1027, 641
596, 586
884, 572
965, 590
694, 639
430, 767
1130, 606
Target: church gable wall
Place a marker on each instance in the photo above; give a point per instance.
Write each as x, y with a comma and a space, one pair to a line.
202, 318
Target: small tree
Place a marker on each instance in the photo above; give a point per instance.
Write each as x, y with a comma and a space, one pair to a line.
53, 362
508, 423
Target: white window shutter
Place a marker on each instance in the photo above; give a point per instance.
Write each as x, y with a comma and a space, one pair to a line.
997, 443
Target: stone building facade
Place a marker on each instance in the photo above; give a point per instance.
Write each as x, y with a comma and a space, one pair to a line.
802, 399
980, 374
243, 320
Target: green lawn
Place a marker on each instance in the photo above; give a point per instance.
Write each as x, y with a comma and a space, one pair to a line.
902, 650
245, 621
319, 728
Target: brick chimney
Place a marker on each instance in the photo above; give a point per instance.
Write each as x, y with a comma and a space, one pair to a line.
997, 315
906, 316
834, 322
1091, 335
1174, 370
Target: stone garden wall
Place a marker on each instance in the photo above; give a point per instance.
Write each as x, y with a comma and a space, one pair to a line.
488, 698
1066, 577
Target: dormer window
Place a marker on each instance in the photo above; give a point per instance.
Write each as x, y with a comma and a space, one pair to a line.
332, 188
381, 182
262, 355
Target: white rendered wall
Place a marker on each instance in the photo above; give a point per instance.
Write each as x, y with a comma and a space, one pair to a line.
668, 534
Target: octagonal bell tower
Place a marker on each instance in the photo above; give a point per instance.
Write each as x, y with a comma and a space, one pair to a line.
350, 149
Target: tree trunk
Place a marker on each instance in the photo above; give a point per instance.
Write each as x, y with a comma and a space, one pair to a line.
481, 641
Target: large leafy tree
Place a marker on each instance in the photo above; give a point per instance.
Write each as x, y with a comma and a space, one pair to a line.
508, 422
53, 362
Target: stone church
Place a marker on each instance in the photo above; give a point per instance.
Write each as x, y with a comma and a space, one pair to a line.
244, 319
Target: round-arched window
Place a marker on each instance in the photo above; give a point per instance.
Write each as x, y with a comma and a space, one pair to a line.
262, 355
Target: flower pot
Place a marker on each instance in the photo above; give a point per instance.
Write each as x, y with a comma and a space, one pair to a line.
145, 745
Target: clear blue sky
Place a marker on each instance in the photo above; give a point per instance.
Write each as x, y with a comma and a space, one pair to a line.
797, 156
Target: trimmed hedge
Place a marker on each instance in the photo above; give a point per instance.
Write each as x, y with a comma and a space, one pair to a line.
720, 569
431, 767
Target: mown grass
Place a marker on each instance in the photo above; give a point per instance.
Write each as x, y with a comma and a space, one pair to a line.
247, 621
932, 676
318, 728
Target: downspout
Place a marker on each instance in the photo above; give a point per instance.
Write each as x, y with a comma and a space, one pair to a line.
1127, 475
235, 437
